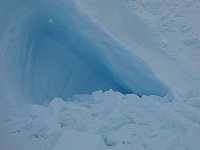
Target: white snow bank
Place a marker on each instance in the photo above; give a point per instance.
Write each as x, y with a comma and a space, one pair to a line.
122, 121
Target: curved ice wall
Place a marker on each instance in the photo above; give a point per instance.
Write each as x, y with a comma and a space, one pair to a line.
50, 48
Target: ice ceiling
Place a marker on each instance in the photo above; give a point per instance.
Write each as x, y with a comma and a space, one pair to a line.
52, 49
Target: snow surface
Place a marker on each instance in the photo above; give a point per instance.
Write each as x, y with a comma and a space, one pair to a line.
108, 121
155, 30
58, 60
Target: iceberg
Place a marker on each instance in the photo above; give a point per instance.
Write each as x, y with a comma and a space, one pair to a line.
99, 75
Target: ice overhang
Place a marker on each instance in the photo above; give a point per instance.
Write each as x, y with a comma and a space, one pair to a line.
51, 49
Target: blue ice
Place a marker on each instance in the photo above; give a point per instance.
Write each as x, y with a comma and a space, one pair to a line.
56, 50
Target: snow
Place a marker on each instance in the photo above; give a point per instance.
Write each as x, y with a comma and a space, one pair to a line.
109, 120
99, 75
144, 28
85, 141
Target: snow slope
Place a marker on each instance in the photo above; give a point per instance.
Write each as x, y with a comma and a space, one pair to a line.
151, 29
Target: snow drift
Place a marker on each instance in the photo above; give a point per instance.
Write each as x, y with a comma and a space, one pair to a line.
52, 49
105, 121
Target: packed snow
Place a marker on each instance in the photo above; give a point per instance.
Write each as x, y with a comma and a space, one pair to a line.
100, 75
107, 121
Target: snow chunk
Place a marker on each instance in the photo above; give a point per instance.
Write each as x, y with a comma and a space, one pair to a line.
124, 122
76, 140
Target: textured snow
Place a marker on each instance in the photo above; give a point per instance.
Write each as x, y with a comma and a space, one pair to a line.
121, 121
155, 30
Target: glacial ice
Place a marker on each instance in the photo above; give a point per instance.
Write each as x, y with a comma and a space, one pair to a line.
59, 58
52, 49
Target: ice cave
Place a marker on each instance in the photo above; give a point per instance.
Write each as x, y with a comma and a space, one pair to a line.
51, 49
99, 74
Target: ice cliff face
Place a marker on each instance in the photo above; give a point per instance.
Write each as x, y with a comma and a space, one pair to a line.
53, 49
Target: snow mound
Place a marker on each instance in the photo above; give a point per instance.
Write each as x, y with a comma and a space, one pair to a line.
122, 121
